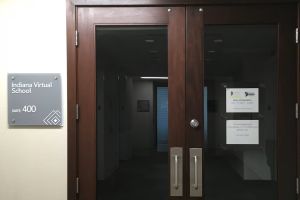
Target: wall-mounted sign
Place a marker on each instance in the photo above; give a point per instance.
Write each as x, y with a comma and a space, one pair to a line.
242, 132
242, 100
34, 99
143, 105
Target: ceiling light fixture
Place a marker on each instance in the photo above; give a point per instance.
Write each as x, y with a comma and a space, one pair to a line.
211, 51
154, 77
153, 51
149, 41
218, 41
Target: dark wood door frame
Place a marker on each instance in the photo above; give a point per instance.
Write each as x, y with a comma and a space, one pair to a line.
71, 8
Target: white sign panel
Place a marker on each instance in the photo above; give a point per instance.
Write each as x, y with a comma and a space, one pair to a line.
242, 132
242, 100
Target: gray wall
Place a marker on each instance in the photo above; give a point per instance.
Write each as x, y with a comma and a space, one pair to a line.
122, 132
126, 93
143, 137
107, 125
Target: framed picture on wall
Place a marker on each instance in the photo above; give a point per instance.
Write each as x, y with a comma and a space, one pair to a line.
143, 106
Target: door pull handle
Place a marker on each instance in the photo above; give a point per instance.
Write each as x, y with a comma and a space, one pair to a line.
176, 171
196, 172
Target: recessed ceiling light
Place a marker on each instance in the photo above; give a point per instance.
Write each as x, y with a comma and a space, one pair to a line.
153, 51
218, 41
149, 41
154, 77
211, 51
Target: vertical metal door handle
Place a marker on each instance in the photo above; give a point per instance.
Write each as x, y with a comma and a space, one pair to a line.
196, 172
176, 171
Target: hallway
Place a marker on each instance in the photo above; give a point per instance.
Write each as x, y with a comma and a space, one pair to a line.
143, 177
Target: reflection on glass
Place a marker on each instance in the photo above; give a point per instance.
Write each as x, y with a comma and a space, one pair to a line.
129, 165
240, 112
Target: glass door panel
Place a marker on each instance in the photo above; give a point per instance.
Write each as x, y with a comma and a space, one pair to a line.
240, 134
130, 60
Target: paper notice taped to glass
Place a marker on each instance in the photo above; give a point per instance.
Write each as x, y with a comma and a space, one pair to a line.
242, 100
242, 131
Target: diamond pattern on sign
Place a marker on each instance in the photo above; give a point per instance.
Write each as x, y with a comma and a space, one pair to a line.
53, 118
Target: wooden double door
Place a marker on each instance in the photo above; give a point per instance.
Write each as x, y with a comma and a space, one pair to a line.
232, 78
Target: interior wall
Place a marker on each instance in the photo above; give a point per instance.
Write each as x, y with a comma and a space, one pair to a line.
143, 136
107, 124
100, 125
122, 131
33, 160
111, 123
125, 126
